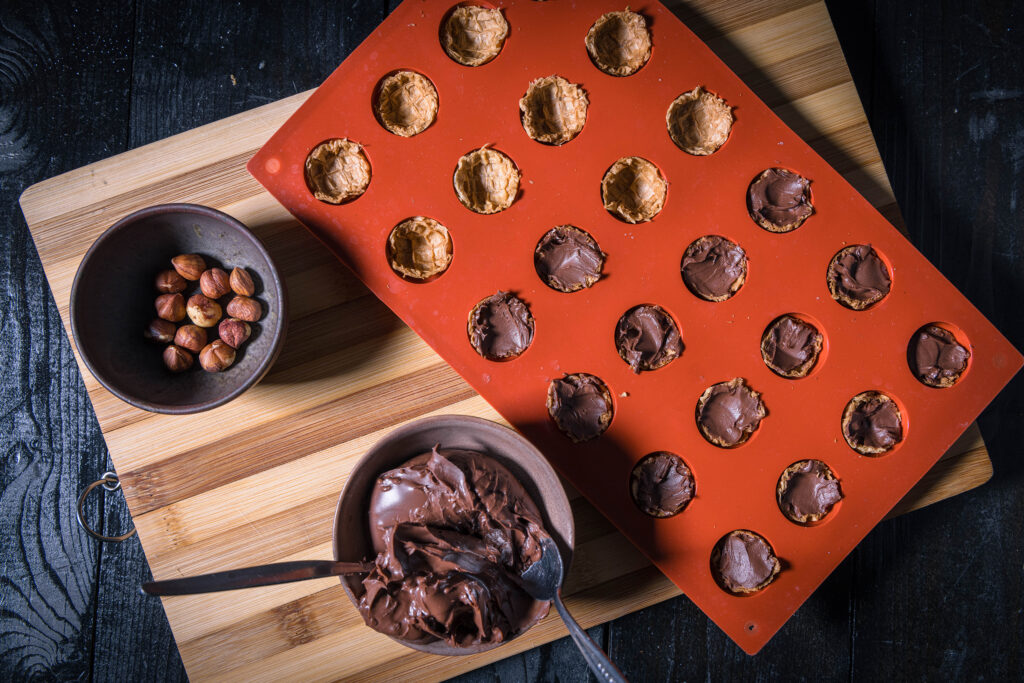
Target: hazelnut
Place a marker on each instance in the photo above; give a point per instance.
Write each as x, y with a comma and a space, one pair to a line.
203, 311
244, 308
189, 266
170, 307
214, 283
234, 332
177, 359
160, 330
241, 282
216, 356
169, 282
191, 338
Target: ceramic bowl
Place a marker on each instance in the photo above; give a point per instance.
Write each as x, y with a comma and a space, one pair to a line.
351, 523
112, 303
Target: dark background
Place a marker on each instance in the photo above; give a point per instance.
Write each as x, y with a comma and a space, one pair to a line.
935, 594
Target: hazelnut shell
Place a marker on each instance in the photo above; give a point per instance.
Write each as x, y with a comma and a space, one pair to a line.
214, 283
170, 307
204, 311
245, 308
191, 338
234, 332
189, 266
169, 282
241, 282
177, 359
216, 356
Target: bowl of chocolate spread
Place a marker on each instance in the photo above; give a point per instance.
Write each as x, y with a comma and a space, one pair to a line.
451, 510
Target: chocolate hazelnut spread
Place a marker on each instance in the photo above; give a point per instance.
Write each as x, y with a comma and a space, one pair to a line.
452, 530
568, 259
714, 268
744, 562
872, 423
729, 412
779, 200
647, 338
500, 326
936, 358
790, 346
857, 277
661, 484
581, 406
807, 491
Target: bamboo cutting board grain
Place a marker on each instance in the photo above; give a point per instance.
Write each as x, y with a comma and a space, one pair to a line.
257, 480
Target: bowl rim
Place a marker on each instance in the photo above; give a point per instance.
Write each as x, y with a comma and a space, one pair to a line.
274, 277
566, 545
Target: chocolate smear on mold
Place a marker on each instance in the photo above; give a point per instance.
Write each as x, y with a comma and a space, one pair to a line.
729, 412
553, 110
337, 171
474, 35
647, 338
779, 200
807, 491
661, 484
619, 43
872, 423
936, 358
714, 268
790, 347
857, 277
419, 248
580, 405
452, 530
633, 190
568, 259
744, 562
699, 122
500, 327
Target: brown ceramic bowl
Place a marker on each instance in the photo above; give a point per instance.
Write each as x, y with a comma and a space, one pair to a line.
351, 524
112, 302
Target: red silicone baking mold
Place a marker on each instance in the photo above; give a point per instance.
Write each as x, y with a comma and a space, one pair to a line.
735, 488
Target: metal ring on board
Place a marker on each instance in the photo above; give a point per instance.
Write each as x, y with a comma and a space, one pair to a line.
111, 483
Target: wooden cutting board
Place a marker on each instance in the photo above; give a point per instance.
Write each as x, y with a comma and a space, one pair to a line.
257, 480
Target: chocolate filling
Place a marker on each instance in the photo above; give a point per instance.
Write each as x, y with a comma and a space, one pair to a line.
807, 491
779, 200
568, 259
936, 358
580, 405
790, 346
744, 562
714, 268
857, 277
452, 530
647, 338
661, 484
872, 423
729, 412
500, 326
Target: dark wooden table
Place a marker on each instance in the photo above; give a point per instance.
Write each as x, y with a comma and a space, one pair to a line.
937, 594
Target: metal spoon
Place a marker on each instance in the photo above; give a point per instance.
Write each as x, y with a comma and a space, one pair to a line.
248, 577
543, 581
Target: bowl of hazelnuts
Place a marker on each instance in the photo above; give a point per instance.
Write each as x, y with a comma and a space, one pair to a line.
178, 308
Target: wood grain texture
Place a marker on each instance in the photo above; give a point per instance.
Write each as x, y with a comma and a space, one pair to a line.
857, 622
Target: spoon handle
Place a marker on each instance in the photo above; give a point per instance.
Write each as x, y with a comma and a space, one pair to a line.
597, 660
262, 575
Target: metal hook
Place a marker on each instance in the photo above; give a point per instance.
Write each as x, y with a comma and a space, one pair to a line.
111, 483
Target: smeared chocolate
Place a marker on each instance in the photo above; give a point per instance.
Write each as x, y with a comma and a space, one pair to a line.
857, 277
807, 491
936, 358
744, 562
872, 423
661, 484
568, 259
779, 200
452, 531
581, 406
714, 268
647, 338
500, 326
729, 412
790, 346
